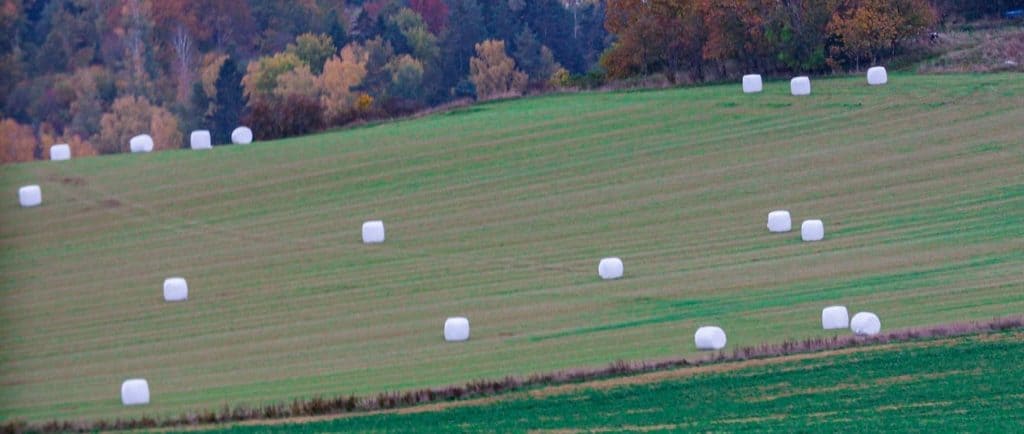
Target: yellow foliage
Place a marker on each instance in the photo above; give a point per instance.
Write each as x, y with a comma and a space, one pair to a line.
341, 74
364, 102
494, 73
17, 142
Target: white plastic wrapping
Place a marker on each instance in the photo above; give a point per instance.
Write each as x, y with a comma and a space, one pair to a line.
752, 83
175, 289
610, 268
141, 143
779, 221
709, 338
835, 317
373, 232
30, 195
800, 86
201, 139
877, 76
241, 136
456, 329
135, 392
812, 230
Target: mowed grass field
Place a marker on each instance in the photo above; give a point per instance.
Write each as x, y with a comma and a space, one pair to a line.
500, 212
946, 385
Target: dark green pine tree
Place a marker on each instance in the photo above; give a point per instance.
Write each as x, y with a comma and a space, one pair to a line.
466, 29
336, 29
229, 102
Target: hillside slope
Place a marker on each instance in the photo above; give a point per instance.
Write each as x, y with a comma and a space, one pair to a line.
500, 212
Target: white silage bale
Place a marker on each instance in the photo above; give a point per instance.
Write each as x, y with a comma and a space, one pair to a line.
141, 143
201, 139
456, 329
373, 232
135, 392
30, 196
709, 338
877, 76
241, 136
800, 86
610, 268
61, 152
175, 289
812, 230
752, 83
835, 317
779, 221
865, 324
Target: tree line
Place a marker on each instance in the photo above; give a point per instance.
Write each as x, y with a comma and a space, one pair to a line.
93, 73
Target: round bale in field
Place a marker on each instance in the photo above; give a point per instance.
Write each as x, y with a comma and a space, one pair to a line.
175, 289
877, 76
610, 268
456, 329
752, 83
61, 152
30, 196
201, 139
779, 221
812, 230
373, 232
865, 324
800, 86
241, 136
141, 143
135, 392
709, 338
835, 317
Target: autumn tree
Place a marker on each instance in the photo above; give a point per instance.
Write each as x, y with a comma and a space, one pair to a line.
341, 75
313, 50
261, 75
130, 116
406, 77
494, 73
79, 146
871, 29
17, 142
299, 81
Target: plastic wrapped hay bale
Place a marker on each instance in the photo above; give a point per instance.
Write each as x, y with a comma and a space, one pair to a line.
779, 221
610, 268
877, 76
175, 289
141, 143
241, 136
135, 392
61, 152
709, 338
865, 324
373, 232
200, 139
752, 83
812, 230
456, 329
800, 86
30, 195
835, 317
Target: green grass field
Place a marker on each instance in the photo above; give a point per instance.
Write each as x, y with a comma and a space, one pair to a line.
500, 212
949, 385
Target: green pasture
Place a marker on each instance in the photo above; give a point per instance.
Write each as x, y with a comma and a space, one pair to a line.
957, 385
500, 212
